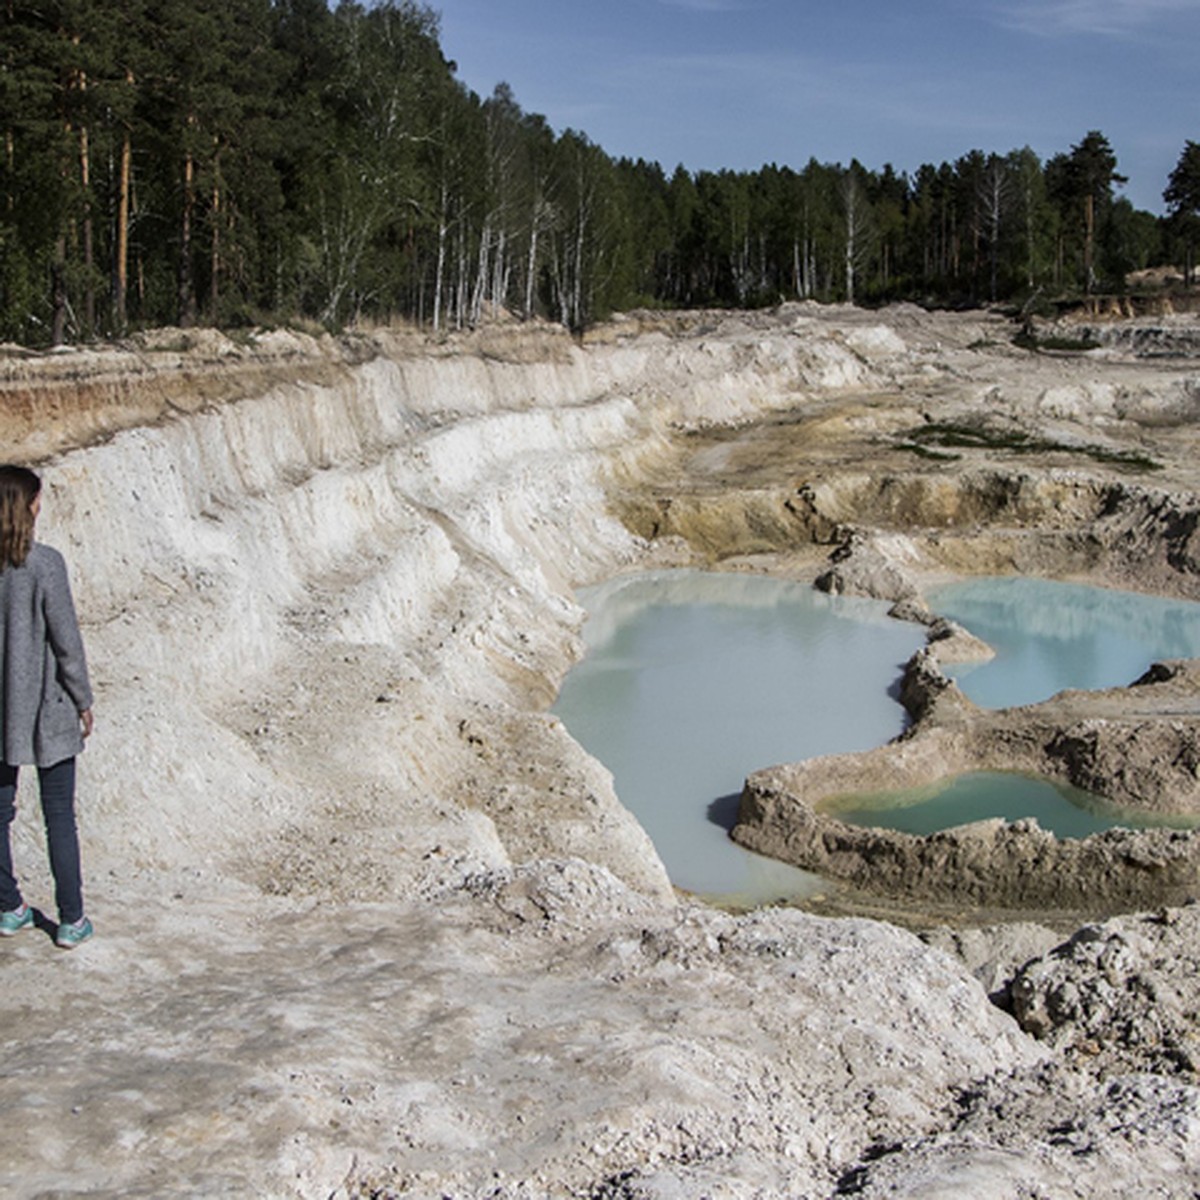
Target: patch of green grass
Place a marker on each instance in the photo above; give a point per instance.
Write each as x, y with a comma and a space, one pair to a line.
1062, 343
938, 433
946, 436
1029, 341
1128, 459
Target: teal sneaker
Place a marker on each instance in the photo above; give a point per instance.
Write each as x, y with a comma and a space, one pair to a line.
69, 936
15, 921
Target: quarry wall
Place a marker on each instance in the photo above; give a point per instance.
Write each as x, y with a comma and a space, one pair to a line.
369, 921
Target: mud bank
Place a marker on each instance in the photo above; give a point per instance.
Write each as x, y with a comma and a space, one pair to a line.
1140, 746
370, 923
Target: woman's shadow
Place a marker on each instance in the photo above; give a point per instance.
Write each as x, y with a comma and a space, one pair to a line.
43, 924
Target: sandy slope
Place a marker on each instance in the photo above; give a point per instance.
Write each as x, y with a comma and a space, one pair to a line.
369, 923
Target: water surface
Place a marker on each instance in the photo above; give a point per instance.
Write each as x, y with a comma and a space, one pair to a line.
693, 680
1065, 811
1050, 636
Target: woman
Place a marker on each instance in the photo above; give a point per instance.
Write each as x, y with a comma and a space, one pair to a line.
45, 703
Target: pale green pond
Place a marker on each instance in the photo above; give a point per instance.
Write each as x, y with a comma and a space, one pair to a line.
980, 795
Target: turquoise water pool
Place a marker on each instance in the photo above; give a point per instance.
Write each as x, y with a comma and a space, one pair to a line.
693, 680
979, 795
1050, 636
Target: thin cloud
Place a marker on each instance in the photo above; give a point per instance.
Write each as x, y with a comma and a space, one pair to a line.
1102, 18
709, 5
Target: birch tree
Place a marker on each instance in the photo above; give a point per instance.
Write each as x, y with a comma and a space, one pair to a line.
995, 188
856, 228
370, 176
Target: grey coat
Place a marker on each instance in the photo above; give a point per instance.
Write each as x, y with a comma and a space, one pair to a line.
43, 673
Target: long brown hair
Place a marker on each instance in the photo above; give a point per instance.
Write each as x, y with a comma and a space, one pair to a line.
19, 488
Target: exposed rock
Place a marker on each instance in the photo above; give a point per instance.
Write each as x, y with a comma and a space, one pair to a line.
951, 643
1136, 745
1169, 335
995, 953
537, 1032
370, 923
861, 566
990, 864
924, 688
1151, 764
948, 641
1119, 997
1046, 1133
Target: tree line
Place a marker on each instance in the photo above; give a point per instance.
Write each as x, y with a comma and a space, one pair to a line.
241, 162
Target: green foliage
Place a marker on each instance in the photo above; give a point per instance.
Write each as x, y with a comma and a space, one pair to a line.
1014, 441
169, 161
1028, 341
1182, 196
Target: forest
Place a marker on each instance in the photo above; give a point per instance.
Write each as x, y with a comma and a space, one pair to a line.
251, 162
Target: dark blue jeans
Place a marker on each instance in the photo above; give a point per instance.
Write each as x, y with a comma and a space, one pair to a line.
57, 787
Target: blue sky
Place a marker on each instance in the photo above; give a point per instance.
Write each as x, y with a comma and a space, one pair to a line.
740, 83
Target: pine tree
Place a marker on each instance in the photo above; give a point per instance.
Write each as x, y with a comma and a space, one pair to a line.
1089, 173
1182, 197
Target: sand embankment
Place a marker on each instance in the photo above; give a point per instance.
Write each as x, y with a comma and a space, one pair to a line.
370, 923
